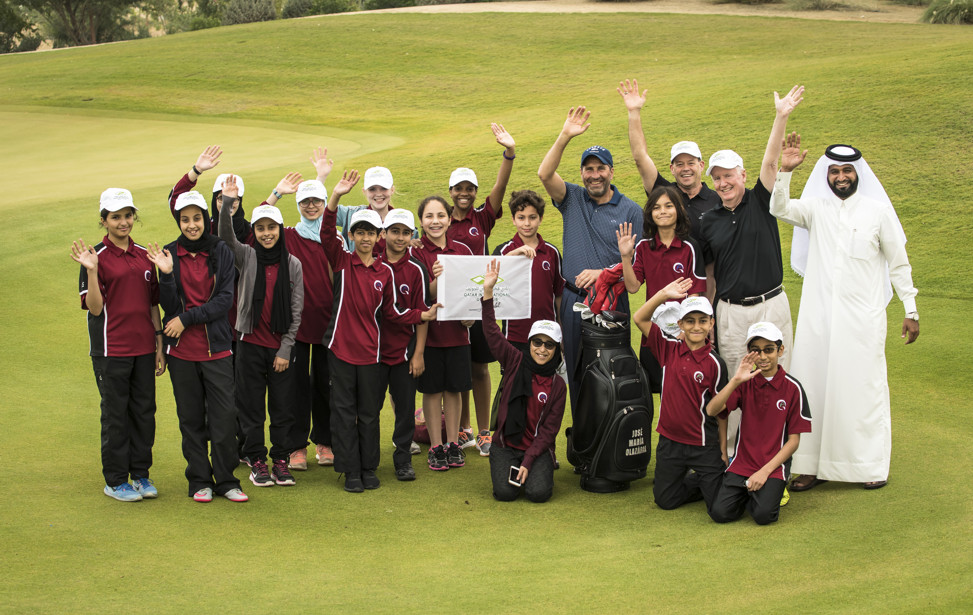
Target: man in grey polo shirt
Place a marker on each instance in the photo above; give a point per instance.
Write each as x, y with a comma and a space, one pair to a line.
591, 215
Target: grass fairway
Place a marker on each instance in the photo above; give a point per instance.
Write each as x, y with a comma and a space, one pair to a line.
416, 93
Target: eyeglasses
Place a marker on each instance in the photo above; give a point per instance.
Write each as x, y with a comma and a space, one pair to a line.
537, 342
769, 350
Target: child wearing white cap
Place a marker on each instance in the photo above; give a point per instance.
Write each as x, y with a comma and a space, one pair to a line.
471, 225
270, 299
530, 407
691, 454
120, 292
774, 414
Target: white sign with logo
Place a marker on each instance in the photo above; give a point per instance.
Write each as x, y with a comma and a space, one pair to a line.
461, 287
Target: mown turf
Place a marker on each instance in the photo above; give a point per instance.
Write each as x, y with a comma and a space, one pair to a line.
416, 93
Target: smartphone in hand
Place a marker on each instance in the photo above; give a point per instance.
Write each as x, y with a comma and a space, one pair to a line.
514, 473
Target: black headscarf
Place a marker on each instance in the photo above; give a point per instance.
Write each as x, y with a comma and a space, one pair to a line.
521, 391
241, 228
205, 243
280, 309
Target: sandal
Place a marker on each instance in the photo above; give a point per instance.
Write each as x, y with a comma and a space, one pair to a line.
806, 482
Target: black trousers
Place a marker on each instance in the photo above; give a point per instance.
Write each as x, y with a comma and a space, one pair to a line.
313, 392
206, 409
357, 395
734, 499
255, 380
127, 387
402, 389
539, 485
673, 460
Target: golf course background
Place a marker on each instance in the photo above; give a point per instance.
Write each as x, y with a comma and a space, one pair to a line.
416, 93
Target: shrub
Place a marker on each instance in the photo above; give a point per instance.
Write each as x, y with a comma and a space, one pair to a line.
372, 5
248, 11
746, 1
911, 2
818, 5
296, 8
327, 7
17, 31
949, 11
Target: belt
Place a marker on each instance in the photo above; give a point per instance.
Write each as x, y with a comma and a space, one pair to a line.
758, 298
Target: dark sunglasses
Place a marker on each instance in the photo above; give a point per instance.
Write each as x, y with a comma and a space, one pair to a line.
537, 342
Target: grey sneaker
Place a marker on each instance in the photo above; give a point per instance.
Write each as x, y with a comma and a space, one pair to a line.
414, 448
483, 442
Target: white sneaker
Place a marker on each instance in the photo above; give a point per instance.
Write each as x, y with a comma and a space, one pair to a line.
414, 448
236, 495
204, 495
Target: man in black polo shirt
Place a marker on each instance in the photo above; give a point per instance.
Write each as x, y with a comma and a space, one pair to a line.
685, 162
740, 239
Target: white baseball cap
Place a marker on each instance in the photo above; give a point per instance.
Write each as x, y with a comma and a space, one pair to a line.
545, 327
218, 184
766, 330
462, 174
311, 188
377, 176
685, 147
114, 199
267, 211
666, 317
400, 216
695, 304
190, 198
726, 159
365, 216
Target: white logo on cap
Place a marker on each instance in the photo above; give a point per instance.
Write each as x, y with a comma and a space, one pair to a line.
378, 285
698, 377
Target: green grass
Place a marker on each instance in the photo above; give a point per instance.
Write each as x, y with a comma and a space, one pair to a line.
416, 93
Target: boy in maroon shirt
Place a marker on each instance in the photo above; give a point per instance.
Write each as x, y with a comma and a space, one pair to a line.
364, 293
546, 284
692, 373
774, 414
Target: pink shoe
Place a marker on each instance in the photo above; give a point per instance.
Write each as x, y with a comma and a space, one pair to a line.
324, 455
298, 460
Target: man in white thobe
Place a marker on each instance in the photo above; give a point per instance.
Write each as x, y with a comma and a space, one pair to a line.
849, 246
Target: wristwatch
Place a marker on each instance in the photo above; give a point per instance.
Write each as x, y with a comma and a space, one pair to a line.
913, 315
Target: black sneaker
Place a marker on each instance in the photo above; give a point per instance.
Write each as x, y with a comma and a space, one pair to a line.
282, 476
437, 459
259, 475
455, 456
405, 472
353, 484
369, 480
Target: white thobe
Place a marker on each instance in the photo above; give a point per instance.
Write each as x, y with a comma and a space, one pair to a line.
839, 346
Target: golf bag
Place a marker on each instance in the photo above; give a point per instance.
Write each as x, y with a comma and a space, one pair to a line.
610, 440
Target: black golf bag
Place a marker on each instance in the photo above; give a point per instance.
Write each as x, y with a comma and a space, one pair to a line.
610, 440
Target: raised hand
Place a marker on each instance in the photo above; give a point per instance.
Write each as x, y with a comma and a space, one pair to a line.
629, 91
322, 164
289, 184
209, 158
791, 155
678, 289
160, 257
626, 239
576, 122
348, 181
491, 276
230, 189
84, 255
748, 367
503, 137
788, 103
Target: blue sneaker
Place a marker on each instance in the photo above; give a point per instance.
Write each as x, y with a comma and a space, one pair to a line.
145, 488
123, 493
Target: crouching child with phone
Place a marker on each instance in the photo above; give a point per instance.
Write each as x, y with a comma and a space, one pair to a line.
530, 405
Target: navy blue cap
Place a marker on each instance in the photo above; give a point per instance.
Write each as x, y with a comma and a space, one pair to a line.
599, 152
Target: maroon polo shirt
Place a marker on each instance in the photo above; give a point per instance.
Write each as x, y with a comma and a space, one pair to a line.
546, 285
475, 228
690, 378
262, 334
130, 288
363, 295
657, 265
449, 333
541, 390
197, 287
411, 290
318, 290
770, 410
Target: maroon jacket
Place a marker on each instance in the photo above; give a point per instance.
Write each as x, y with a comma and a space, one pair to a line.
549, 423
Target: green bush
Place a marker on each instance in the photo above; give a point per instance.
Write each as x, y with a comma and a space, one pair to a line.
949, 11
746, 1
372, 5
818, 5
911, 2
248, 11
296, 8
17, 31
327, 7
